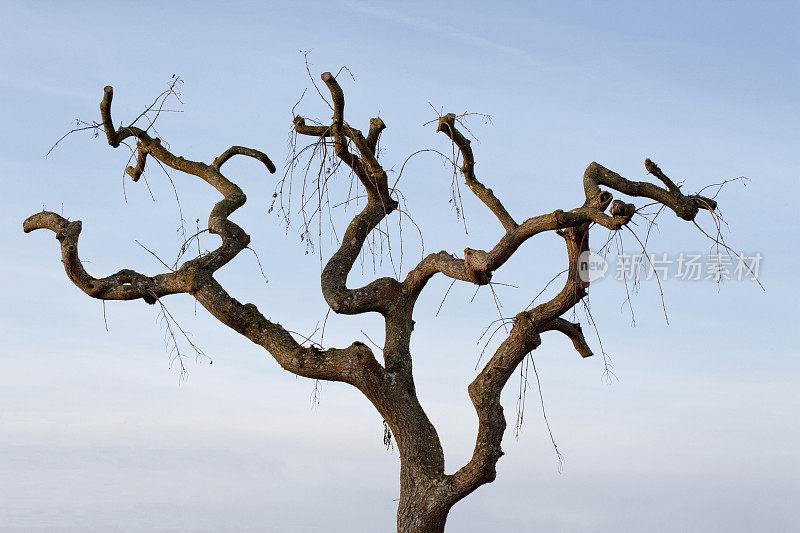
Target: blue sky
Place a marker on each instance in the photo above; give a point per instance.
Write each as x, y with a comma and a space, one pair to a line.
699, 433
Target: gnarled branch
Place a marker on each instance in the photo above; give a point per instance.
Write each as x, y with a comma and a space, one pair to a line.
376, 296
447, 124
685, 207
124, 285
524, 337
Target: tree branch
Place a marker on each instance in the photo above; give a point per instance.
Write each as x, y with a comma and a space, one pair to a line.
128, 284
447, 124
234, 238
571, 330
376, 126
302, 128
524, 337
141, 159
354, 364
478, 265
376, 296
241, 150
124, 285
105, 115
685, 207
653, 169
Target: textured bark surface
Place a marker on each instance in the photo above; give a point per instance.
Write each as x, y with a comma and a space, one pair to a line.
427, 493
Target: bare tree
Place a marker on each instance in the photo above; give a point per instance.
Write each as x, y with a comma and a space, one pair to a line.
426, 492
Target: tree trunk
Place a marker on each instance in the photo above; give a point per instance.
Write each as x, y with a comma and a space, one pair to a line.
420, 512
412, 523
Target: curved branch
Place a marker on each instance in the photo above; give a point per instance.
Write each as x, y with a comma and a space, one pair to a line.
241, 150
337, 127
354, 364
378, 295
685, 207
376, 126
141, 158
234, 238
524, 337
302, 128
447, 124
484, 392
395, 395
105, 115
128, 284
478, 265
124, 285
571, 330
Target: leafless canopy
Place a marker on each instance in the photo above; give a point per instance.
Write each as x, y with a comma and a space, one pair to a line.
427, 492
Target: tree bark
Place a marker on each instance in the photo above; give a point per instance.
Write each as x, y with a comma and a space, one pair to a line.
413, 516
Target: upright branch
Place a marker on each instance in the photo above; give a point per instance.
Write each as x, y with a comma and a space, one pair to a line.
376, 126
